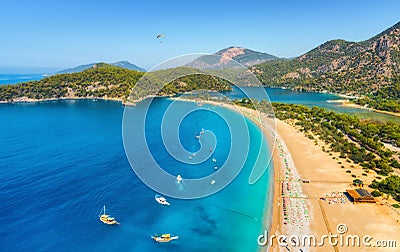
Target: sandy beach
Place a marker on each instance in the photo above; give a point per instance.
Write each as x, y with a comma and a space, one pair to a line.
347, 103
328, 180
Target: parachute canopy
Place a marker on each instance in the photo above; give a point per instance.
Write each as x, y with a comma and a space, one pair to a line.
161, 36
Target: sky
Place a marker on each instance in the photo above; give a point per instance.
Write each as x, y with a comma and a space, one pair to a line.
44, 35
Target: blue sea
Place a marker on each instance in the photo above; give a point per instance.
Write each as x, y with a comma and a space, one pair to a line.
18, 78
61, 161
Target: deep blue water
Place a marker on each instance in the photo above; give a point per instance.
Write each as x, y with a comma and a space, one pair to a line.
18, 78
60, 162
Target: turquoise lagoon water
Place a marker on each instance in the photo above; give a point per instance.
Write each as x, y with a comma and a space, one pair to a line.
309, 99
61, 161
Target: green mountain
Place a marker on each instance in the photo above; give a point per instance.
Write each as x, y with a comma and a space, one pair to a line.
109, 82
359, 68
127, 65
123, 64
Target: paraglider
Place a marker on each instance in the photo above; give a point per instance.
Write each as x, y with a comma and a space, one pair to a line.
160, 36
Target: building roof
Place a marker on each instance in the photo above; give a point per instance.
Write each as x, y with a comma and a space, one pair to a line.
361, 195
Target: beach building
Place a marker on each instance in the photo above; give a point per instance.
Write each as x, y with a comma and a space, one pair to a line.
361, 195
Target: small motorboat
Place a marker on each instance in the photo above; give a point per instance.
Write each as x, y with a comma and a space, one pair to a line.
212, 182
107, 219
202, 131
160, 199
214, 160
164, 238
215, 167
178, 178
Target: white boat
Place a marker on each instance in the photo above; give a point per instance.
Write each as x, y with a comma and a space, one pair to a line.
178, 178
215, 167
214, 160
161, 200
212, 182
164, 238
202, 131
197, 137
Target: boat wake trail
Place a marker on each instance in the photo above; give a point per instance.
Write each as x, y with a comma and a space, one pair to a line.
237, 212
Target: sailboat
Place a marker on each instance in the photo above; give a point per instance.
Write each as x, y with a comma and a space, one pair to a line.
106, 219
164, 238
